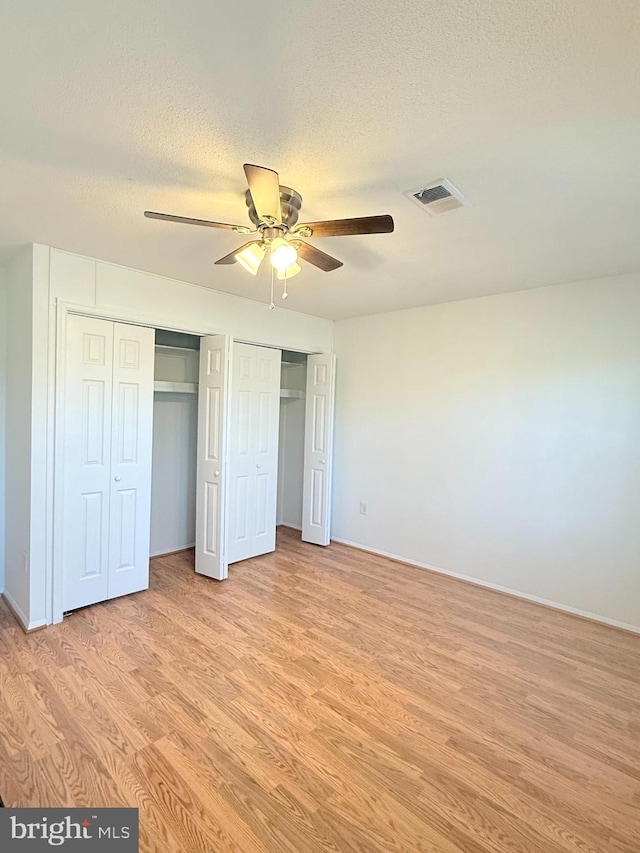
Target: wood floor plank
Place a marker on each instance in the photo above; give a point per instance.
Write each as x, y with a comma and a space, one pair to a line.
234, 834
328, 700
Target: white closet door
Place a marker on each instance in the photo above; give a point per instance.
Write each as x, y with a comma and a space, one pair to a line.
318, 449
131, 452
87, 460
107, 428
253, 461
213, 416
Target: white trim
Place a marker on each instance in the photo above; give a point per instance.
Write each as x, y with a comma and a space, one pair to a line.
172, 551
554, 605
52, 326
117, 315
293, 527
19, 613
56, 577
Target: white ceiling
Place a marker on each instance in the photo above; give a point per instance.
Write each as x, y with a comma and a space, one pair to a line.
531, 108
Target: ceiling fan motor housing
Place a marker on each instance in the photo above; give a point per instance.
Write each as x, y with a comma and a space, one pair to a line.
290, 204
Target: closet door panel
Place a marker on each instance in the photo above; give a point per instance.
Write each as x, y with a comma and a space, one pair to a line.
211, 474
241, 488
86, 427
318, 449
241, 462
253, 460
125, 528
263, 523
131, 451
267, 428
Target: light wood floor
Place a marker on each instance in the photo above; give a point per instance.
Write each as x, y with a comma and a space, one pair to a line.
325, 699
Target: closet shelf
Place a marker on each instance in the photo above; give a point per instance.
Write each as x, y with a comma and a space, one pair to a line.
173, 350
288, 394
175, 387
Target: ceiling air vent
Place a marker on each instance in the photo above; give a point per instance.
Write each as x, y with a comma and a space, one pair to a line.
437, 197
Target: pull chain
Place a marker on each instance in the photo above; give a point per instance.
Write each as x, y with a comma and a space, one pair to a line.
273, 274
284, 286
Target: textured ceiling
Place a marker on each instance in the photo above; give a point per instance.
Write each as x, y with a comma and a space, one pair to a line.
531, 108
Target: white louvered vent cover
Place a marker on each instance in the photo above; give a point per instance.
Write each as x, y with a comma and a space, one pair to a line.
437, 197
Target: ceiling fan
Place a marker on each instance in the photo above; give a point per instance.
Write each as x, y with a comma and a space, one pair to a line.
273, 209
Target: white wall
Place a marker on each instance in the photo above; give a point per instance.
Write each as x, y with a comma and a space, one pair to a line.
3, 411
17, 499
499, 438
124, 294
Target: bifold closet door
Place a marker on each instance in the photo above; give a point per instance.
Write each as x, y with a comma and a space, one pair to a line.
131, 456
318, 449
211, 467
106, 423
253, 458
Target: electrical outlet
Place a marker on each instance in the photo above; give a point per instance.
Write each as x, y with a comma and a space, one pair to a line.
364, 508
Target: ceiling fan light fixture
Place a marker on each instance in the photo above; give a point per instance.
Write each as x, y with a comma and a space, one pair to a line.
273, 210
283, 255
294, 269
251, 257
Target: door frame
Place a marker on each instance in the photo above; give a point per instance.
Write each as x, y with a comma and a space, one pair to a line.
54, 575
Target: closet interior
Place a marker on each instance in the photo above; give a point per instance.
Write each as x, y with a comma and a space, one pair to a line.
175, 433
293, 383
175, 426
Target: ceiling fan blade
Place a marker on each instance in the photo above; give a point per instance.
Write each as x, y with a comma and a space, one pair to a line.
264, 185
345, 227
316, 257
169, 217
231, 257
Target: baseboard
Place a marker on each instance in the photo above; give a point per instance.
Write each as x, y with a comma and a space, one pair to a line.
291, 526
20, 615
175, 551
514, 593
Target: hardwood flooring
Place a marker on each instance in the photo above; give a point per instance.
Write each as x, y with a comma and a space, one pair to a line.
328, 700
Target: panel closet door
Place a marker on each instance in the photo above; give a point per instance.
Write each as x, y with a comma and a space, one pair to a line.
253, 460
87, 460
318, 449
211, 469
131, 454
107, 429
